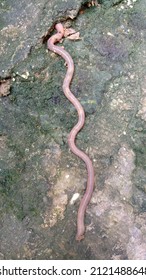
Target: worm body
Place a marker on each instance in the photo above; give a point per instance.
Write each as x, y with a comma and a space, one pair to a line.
72, 135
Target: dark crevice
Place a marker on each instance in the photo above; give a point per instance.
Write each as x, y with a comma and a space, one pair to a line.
86, 5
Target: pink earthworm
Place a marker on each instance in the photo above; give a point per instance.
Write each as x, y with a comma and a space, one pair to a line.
72, 135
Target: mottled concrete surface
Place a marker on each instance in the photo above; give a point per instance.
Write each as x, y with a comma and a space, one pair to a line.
41, 180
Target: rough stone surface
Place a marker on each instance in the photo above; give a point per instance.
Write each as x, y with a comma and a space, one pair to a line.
41, 182
24, 23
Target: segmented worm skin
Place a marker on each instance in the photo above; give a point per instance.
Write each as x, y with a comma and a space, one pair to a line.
72, 135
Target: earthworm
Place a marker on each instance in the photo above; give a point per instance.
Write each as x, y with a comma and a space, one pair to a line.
72, 135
